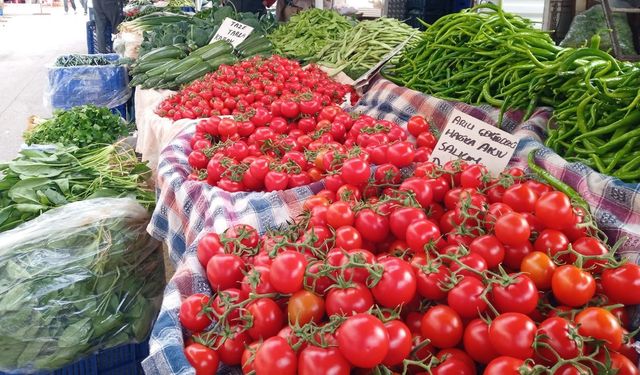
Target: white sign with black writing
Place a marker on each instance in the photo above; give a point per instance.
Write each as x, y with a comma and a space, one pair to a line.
467, 138
232, 31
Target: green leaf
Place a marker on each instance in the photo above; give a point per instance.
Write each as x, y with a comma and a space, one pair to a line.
24, 191
35, 169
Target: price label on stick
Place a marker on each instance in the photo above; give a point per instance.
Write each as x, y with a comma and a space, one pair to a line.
467, 138
232, 31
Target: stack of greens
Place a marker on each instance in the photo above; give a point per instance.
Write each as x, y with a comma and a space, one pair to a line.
365, 45
80, 278
309, 32
82, 60
39, 180
79, 126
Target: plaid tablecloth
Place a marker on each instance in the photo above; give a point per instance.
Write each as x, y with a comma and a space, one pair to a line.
185, 208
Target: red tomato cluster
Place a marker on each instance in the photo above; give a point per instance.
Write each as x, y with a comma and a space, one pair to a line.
446, 272
295, 144
252, 84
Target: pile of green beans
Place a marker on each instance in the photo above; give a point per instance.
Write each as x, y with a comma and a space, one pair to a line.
480, 55
596, 117
365, 45
308, 32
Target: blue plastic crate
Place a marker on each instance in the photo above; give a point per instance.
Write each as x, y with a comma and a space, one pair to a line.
121, 360
458, 5
78, 85
92, 39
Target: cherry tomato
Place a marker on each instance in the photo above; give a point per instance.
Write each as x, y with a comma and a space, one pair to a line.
559, 335
422, 234
504, 365
203, 359
466, 298
443, 326
371, 225
512, 229
348, 238
363, 340
275, 356
399, 342
520, 197
572, 286
304, 307
224, 271
193, 313
489, 248
401, 154
540, 268
512, 334
417, 125
400, 219
350, 300
622, 284
397, 285
476, 342
208, 246
314, 360
554, 210
340, 214
355, 171
287, 271
266, 318
517, 294
599, 323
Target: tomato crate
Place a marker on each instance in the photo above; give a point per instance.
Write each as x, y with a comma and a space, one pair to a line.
121, 360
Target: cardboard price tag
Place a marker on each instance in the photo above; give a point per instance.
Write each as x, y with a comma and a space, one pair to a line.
232, 31
467, 138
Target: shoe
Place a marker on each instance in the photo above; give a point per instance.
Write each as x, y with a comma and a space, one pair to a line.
85, 13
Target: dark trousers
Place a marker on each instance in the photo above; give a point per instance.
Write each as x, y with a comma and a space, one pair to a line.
66, 5
108, 13
84, 5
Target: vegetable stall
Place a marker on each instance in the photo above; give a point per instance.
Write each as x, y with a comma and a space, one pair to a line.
333, 196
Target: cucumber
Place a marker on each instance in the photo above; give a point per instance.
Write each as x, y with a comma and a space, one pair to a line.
151, 82
181, 67
193, 73
145, 67
225, 49
168, 52
213, 46
162, 69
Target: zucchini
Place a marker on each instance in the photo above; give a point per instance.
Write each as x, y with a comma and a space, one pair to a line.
218, 45
258, 49
182, 66
151, 82
168, 52
225, 49
193, 73
162, 69
145, 67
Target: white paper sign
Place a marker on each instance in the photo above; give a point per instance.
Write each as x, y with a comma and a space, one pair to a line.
232, 31
467, 138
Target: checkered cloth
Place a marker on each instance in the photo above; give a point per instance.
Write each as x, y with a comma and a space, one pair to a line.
186, 208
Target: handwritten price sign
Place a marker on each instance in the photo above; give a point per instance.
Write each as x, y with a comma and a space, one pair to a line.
233, 32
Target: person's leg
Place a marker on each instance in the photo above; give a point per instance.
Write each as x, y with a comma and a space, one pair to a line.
84, 5
66, 5
73, 4
101, 22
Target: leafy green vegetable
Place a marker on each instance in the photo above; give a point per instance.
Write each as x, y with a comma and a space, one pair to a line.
80, 126
79, 278
82, 60
40, 180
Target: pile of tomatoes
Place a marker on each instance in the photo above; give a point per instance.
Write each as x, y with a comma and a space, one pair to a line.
251, 84
448, 271
294, 144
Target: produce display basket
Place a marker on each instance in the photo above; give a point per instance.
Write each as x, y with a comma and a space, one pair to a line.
105, 85
121, 360
92, 38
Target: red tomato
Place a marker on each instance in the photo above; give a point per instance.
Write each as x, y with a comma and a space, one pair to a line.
590, 246
314, 360
558, 334
371, 225
474, 176
193, 314
551, 241
422, 235
512, 229
513, 255
421, 190
363, 340
489, 248
620, 363
304, 307
599, 323
355, 171
476, 342
208, 246
287, 271
348, 238
275, 180
402, 217
417, 125
466, 298
266, 318
397, 285
622, 284
248, 357
225, 271
554, 210
431, 279
399, 342
340, 214
540, 268
346, 301
504, 366
443, 326
233, 295
572, 286
517, 294
401, 154
275, 356
203, 359
512, 334
520, 197
230, 351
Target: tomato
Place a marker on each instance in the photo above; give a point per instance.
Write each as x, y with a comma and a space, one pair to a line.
371, 225
232, 295
551, 241
193, 313
540, 268
475, 176
512, 229
417, 125
504, 366
399, 342
443, 326
600, 324
315, 201
431, 279
230, 351
348, 238
622, 284
314, 360
422, 235
520, 197
208, 246
426, 139
340, 214
513, 255
363, 340
386, 173
554, 210
589, 246
572, 286
355, 171
558, 334
495, 211
287, 271
266, 318
289, 109
275, 180
453, 366
348, 193
466, 298
620, 363
512, 334
203, 359
346, 301
421, 190
245, 234
518, 294
476, 342
401, 154
225, 271
400, 219
248, 357
358, 274
489, 248
397, 285
304, 307
275, 356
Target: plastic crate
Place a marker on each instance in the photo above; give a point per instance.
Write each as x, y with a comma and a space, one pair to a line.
121, 360
78, 85
92, 38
